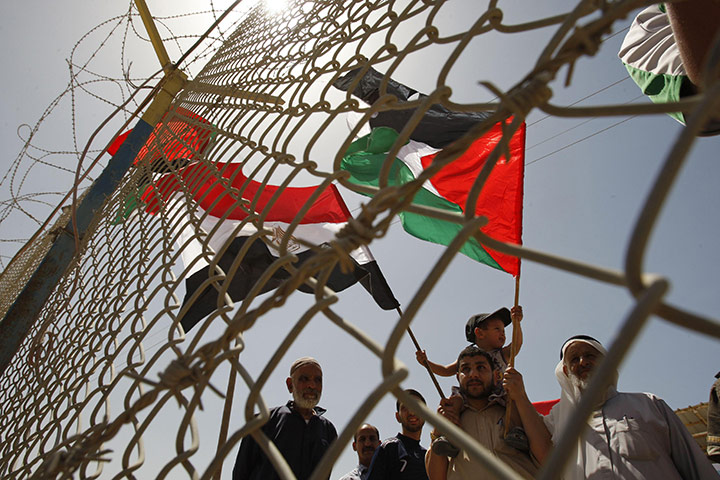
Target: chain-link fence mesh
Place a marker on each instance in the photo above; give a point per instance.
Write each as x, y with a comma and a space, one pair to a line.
82, 394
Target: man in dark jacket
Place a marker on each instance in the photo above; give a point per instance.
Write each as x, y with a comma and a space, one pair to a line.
297, 428
401, 457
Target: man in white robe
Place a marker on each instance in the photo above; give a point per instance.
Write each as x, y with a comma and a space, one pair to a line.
628, 435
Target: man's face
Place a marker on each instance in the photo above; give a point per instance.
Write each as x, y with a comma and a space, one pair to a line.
409, 421
579, 362
306, 386
365, 443
475, 376
493, 334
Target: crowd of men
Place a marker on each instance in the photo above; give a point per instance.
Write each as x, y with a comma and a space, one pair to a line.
627, 436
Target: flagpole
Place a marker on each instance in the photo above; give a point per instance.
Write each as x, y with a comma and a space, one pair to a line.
516, 325
513, 349
427, 366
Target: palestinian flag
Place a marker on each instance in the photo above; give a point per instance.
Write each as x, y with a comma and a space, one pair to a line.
180, 134
652, 58
178, 138
500, 199
211, 188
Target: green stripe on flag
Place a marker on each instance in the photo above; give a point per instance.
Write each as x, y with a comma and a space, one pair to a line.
364, 159
129, 205
660, 87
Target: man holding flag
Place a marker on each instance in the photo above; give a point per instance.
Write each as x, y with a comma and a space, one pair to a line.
482, 419
500, 199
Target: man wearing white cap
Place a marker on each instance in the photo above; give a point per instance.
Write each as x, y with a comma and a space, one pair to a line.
298, 429
629, 435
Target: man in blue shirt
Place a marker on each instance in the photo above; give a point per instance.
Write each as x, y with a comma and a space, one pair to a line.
298, 429
401, 457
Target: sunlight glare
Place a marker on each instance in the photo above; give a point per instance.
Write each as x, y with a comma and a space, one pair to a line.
275, 6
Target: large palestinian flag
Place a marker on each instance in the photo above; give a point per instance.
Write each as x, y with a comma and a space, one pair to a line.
500, 199
211, 187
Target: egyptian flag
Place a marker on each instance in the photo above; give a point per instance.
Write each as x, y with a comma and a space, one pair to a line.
500, 199
219, 190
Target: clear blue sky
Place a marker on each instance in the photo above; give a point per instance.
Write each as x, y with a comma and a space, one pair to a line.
585, 185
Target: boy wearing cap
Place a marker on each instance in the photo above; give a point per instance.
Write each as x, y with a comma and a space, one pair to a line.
487, 331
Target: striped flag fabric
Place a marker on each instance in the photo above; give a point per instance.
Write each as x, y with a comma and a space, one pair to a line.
221, 218
502, 194
174, 143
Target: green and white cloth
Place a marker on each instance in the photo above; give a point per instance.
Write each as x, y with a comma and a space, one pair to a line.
501, 198
652, 57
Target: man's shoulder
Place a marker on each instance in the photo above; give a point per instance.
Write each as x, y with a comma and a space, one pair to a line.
324, 420
329, 428
279, 414
641, 401
320, 414
639, 397
391, 447
407, 446
391, 442
281, 410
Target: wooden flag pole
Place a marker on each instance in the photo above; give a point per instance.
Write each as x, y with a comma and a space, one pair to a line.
513, 351
516, 325
427, 367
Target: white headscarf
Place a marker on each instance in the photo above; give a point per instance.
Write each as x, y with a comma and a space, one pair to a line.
569, 398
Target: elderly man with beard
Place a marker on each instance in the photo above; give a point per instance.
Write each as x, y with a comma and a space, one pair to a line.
401, 457
298, 429
366, 440
484, 421
628, 435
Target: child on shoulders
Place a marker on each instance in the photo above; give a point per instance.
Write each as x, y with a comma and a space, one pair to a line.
487, 331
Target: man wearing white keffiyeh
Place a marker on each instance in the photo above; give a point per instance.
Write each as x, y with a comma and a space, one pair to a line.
628, 435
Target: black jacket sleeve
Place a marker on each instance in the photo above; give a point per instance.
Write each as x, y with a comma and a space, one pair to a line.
247, 459
384, 462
